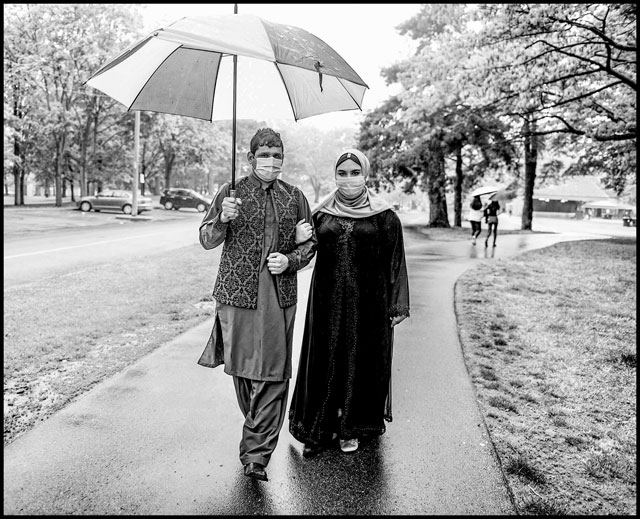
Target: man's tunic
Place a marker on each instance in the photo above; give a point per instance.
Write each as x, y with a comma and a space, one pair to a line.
255, 310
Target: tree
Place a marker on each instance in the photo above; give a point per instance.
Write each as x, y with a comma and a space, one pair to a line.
50, 50
554, 69
561, 69
580, 59
310, 155
431, 121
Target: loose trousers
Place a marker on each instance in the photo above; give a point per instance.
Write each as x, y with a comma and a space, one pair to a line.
264, 407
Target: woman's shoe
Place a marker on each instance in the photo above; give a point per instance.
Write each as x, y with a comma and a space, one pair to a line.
349, 445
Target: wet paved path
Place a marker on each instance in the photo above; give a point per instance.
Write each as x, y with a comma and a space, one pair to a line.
162, 436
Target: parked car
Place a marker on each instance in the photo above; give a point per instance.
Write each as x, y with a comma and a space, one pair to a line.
114, 200
629, 219
177, 198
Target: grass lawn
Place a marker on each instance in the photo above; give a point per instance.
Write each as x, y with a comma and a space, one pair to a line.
549, 338
92, 323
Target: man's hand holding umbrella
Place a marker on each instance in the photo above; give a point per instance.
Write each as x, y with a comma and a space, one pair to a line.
230, 209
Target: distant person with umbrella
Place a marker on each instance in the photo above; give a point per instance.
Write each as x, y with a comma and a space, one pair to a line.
475, 217
359, 292
256, 292
491, 216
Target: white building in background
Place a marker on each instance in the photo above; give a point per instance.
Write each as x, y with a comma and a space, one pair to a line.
567, 198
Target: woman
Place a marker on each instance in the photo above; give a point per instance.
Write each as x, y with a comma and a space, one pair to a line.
359, 292
491, 214
475, 217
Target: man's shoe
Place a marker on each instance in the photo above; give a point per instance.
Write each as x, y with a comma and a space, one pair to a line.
255, 471
311, 449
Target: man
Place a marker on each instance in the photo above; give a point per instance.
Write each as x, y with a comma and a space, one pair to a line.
256, 292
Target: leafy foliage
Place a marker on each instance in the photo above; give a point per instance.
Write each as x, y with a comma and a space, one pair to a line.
494, 86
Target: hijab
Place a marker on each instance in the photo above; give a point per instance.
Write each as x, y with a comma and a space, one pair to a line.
367, 204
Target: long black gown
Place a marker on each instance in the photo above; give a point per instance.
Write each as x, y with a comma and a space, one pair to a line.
344, 375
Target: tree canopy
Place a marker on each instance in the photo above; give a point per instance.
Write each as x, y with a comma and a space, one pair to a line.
493, 86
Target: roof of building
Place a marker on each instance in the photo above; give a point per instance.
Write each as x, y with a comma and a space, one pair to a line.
576, 188
609, 204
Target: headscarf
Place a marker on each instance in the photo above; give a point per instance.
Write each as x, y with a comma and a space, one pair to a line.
367, 204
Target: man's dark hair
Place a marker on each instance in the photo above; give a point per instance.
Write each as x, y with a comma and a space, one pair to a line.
265, 137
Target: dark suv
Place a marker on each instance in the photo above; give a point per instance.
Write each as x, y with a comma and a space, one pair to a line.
177, 198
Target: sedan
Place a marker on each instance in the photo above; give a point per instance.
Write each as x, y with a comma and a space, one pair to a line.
177, 198
114, 200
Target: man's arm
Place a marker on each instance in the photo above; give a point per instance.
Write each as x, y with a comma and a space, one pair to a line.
212, 230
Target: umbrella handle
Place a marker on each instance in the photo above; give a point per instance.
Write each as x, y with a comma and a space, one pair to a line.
232, 193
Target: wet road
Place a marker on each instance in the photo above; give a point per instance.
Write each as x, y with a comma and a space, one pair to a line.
35, 254
162, 436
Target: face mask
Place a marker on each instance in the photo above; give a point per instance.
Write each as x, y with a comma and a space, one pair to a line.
351, 187
268, 168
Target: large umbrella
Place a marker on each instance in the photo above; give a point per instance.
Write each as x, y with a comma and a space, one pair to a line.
176, 70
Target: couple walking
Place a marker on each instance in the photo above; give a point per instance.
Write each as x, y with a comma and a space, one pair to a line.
359, 292
489, 213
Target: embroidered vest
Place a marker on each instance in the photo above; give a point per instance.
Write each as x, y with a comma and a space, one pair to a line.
237, 281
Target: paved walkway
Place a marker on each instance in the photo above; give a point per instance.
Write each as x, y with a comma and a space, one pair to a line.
161, 437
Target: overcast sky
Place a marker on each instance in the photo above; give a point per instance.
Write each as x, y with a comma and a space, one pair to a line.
364, 35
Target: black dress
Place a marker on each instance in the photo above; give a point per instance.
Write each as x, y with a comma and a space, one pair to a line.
343, 385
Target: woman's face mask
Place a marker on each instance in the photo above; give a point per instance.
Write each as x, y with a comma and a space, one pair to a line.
350, 187
349, 179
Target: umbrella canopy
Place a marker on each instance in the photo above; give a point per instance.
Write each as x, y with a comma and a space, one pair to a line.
487, 190
503, 194
180, 69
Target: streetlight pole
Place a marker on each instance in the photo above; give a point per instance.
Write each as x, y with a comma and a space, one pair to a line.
136, 145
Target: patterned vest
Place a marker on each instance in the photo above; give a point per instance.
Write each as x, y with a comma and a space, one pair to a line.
237, 281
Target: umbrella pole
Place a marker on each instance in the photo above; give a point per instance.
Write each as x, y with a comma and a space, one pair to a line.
233, 130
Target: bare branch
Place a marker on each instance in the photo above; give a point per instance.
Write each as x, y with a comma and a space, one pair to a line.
614, 73
598, 32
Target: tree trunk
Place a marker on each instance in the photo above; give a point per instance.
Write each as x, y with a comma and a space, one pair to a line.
438, 216
58, 170
168, 169
84, 145
18, 196
457, 202
530, 163
23, 187
316, 185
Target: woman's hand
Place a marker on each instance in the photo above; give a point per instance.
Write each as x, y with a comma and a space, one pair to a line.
303, 232
397, 319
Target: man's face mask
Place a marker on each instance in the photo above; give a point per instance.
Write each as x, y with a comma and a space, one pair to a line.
268, 168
